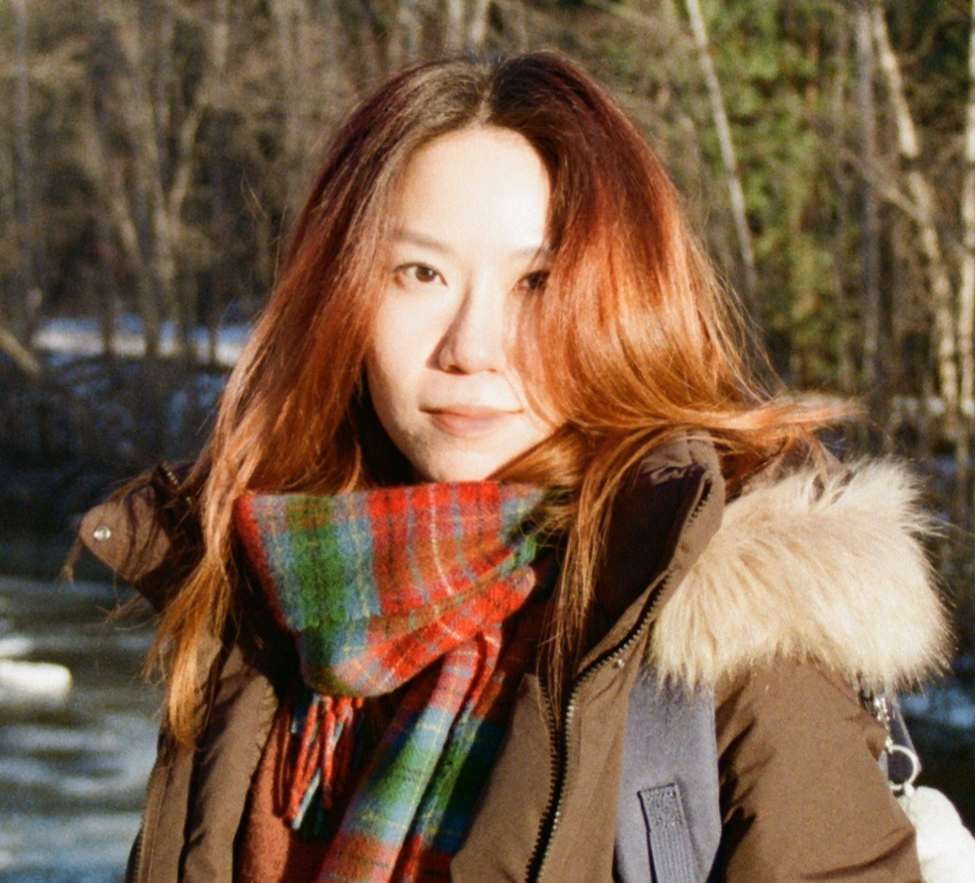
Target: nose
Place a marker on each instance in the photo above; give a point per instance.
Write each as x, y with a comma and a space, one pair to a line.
476, 338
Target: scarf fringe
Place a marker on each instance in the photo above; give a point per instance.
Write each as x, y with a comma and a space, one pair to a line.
323, 764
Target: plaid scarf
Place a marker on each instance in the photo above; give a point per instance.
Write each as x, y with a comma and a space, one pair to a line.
430, 586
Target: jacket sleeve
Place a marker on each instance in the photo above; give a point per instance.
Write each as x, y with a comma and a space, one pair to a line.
147, 534
802, 794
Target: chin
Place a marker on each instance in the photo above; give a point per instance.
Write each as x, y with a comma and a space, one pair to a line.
465, 467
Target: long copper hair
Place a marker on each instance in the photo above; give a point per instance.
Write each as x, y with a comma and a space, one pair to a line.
639, 341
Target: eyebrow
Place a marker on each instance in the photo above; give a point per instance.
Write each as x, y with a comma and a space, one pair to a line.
413, 237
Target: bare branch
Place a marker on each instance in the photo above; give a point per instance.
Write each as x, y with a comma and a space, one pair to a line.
23, 357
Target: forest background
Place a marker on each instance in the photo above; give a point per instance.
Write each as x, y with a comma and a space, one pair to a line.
156, 150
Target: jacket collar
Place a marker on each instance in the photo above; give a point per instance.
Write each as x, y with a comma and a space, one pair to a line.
818, 563
663, 519
821, 565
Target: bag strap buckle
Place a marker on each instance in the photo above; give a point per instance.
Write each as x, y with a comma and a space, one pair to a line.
900, 759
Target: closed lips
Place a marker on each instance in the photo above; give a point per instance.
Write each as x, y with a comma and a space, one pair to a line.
469, 422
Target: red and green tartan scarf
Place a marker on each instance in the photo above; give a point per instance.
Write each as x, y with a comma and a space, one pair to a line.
436, 586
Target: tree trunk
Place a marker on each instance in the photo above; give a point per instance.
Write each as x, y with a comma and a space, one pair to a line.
162, 121
168, 168
291, 23
454, 26
845, 338
937, 273
478, 26
23, 358
406, 42
736, 198
217, 297
965, 326
24, 187
137, 207
871, 256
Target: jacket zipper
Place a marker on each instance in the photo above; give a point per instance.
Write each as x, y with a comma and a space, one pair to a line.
560, 738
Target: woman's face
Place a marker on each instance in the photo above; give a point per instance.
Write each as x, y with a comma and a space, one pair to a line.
469, 251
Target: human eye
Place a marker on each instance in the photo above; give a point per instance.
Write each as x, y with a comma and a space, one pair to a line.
535, 281
417, 274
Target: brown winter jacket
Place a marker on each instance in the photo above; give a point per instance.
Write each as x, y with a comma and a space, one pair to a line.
780, 600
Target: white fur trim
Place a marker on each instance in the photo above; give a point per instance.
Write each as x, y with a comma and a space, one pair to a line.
832, 571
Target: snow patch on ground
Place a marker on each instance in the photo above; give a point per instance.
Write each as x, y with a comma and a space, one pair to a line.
83, 337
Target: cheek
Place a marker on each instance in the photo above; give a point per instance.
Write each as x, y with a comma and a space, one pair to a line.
383, 354
404, 334
392, 369
382, 381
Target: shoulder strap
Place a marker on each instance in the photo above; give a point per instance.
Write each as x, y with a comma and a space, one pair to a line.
668, 821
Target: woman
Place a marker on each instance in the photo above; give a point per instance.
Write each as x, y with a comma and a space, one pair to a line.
491, 465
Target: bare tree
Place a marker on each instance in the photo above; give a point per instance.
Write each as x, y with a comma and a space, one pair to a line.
839, 125
219, 227
290, 19
653, 27
965, 323
478, 22
160, 118
23, 358
404, 45
25, 186
454, 25
923, 213
870, 240
721, 121
465, 24
312, 66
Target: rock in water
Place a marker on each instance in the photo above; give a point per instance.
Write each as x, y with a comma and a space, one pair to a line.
33, 683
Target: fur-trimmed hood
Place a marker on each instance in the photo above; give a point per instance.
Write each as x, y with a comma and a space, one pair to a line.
830, 569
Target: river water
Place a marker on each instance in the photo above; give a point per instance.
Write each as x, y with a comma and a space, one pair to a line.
73, 759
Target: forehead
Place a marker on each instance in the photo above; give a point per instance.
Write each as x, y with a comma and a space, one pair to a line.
482, 184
